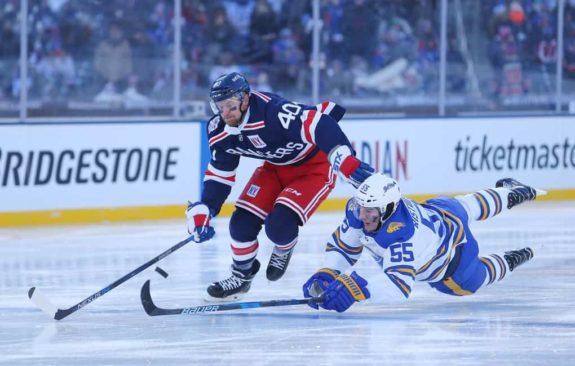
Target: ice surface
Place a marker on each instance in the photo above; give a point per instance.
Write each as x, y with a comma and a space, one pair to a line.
528, 319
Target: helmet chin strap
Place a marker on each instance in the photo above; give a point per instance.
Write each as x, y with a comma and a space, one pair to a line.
386, 215
241, 103
381, 220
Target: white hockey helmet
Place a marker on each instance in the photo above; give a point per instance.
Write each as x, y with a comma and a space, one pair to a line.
381, 192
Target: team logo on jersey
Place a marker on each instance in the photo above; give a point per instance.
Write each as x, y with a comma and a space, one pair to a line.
213, 124
253, 190
257, 141
394, 226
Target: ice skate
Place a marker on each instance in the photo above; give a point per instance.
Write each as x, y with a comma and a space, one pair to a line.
515, 258
519, 191
278, 264
233, 287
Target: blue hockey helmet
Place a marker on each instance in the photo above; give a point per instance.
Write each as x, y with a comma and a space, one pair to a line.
229, 85
226, 86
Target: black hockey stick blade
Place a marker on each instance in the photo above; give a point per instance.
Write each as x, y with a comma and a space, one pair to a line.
41, 301
153, 310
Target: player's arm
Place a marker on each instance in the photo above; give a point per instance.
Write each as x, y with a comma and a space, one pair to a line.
344, 291
332, 109
343, 249
395, 283
219, 178
323, 131
399, 277
218, 181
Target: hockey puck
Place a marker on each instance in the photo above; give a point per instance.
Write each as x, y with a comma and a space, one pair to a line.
162, 272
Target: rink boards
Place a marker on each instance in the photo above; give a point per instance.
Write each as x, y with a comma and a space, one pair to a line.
68, 173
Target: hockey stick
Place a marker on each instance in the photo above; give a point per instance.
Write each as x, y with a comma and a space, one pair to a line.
153, 310
41, 301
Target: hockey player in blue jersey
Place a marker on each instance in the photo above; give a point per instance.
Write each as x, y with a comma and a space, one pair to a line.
428, 242
303, 148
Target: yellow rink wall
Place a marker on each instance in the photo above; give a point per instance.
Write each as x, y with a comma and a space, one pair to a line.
84, 216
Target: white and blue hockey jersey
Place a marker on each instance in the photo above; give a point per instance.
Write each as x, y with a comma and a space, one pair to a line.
416, 243
273, 129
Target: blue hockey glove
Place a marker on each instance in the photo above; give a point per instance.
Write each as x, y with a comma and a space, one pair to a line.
316, 284
353, 170
199, 216
344, 291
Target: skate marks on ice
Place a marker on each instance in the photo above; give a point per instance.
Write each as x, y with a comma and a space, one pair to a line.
526, 319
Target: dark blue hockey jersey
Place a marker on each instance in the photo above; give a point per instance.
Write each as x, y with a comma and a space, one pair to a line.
273, 129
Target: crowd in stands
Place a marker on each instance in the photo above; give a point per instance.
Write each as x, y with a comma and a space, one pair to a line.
121, 50
105, 48
523, 44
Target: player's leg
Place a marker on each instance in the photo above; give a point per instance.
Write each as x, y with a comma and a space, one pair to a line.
252, 207
244, 229
305, 188
467, 272
282, 228
499, 265
487, 203
519, 192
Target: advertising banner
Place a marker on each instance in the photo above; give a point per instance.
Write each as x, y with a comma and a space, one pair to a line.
68, 166
65, 167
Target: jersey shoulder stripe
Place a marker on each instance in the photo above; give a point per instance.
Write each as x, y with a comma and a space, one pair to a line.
310, 120
254, 125
325, 107
219, 137
261, 95
332, 109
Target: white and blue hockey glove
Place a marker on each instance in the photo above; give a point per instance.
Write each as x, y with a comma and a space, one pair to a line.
316, 284
348, 166
199, 216
344, 291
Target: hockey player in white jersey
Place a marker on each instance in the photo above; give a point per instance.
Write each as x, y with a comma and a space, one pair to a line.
428, 242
